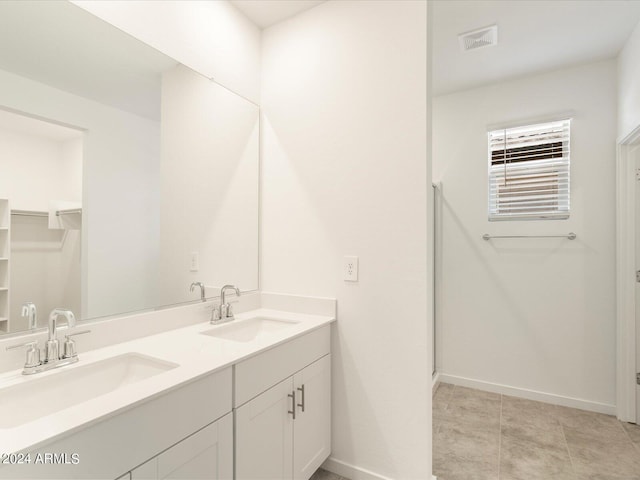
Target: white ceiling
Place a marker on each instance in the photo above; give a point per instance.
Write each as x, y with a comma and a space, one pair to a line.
265, 13
39, 40
533, 36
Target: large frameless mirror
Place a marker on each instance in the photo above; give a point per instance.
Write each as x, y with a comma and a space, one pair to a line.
125, 176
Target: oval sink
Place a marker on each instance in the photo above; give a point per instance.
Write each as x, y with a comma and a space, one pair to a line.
39, 397
249, 330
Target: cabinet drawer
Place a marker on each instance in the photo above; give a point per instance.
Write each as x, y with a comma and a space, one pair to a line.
257, 374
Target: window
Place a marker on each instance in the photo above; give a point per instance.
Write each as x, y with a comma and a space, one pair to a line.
529, 172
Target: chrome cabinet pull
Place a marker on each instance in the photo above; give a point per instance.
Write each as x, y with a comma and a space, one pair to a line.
292, 396
301, 390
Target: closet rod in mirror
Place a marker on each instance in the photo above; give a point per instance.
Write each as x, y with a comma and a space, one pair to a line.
29, 213
570, 236
68, 212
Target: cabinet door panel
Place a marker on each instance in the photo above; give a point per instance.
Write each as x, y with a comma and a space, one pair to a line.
312, 428
264, 431
206, 455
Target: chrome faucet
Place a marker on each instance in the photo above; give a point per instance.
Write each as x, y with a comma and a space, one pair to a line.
52, 358
223, 312
51, 350
29, 310
201, 285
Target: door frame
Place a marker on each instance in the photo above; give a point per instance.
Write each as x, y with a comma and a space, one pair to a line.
626, 264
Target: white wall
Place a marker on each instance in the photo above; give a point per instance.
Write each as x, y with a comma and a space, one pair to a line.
71, 169
629, 85
345, 172
212, 37
120, 197
34, 171
534, 314
209, 187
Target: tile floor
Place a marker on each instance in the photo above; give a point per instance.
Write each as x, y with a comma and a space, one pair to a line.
321, 474
486, 436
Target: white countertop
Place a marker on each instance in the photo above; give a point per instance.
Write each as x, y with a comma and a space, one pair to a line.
196, 355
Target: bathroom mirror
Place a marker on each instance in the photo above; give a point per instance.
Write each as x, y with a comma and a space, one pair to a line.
150, 178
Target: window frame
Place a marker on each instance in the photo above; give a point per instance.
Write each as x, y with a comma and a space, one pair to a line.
554, 163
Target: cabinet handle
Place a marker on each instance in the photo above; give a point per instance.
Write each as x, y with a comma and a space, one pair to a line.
292, 396
301, 390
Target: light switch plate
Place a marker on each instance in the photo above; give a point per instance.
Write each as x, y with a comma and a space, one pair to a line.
350, 269
194, 262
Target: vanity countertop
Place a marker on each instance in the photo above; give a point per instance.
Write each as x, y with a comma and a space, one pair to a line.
195, 354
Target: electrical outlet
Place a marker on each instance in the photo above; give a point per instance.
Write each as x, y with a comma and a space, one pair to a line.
350, 269
195, 262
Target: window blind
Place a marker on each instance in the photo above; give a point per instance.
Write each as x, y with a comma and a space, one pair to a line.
529, 172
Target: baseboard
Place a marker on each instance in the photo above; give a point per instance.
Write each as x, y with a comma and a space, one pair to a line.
529, 394
435, 383
349, 471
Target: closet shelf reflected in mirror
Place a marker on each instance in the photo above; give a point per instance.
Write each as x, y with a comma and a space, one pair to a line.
37, 213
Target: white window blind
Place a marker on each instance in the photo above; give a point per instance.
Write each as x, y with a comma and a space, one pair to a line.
529, 172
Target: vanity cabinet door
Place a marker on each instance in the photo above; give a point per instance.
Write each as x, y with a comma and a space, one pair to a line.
205, 455
270, 443
312, 427
264, 435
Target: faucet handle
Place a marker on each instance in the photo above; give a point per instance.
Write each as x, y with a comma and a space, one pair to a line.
215, 313
70, 345
33, 353
31, 344
81, 332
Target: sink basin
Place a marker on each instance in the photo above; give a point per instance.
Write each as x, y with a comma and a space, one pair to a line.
39, 397
249, 330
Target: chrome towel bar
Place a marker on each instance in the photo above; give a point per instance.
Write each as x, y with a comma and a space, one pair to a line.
570, 236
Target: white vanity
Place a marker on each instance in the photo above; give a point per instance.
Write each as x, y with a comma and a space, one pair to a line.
248, 399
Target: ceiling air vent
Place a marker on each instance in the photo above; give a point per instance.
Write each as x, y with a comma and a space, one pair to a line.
482, 37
